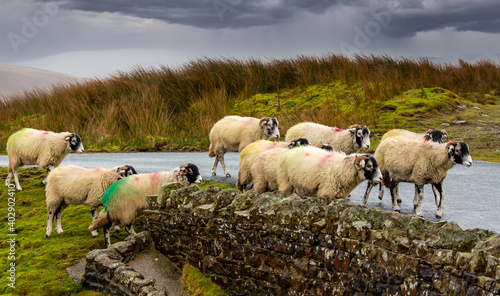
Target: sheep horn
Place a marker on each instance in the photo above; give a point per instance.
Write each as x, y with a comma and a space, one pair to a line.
262, 120
356, 126
183, 170
357, 160
445, 133
429, 131
450, 143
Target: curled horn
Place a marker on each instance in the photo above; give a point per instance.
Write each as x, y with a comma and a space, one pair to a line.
123, 168
444, 132
450, 143
355, 126
263, 119
357, 160
183, 170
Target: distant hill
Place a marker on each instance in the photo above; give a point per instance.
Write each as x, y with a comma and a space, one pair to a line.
16, 79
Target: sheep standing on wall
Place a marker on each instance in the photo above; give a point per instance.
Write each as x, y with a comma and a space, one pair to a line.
419, 163
348, 141
311, 171
252, 150
233, 133
264, 169
126, 198
42, 148
72, 185
433, 135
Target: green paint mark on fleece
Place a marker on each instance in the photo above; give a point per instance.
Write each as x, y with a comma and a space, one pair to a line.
16, 135
122, 188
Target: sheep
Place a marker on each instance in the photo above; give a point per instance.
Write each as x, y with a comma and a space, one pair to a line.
311, 171
45, 149
233, 133
347, 141
433, 135
252, 150
265, 166
72, 185
126, 198
419, 163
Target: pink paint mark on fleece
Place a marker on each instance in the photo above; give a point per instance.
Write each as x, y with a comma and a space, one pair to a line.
136, 178
324, 158
249, 120
98, 169
154, 176
45, 133
338, 130
426, 141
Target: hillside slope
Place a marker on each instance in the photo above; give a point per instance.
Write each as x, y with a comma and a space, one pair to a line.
16, 79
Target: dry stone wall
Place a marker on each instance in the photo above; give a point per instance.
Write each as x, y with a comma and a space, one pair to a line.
254, 244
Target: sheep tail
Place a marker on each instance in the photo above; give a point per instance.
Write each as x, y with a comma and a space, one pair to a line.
211, 152
100, 221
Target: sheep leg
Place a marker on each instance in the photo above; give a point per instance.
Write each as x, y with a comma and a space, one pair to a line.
440, 191
130, 229
398, 197
93, 210
286, 190
50, 218
107, 239
367, 192
48, 168
9, 177
393, 189
117, 228
437, 198
223, 164
214, 167
16, 180
418, 206
380, 191
58, 214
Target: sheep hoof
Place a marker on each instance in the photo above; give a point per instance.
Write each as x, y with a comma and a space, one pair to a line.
214, 174
399, 200
228, 175
397, 211
414, 207
437, 216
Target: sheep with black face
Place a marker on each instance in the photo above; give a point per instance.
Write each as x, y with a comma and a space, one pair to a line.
45, 149
349, 141
311, 171
126, 198
234, 133
73, 185
419, 163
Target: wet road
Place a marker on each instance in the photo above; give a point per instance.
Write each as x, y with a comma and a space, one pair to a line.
472, 194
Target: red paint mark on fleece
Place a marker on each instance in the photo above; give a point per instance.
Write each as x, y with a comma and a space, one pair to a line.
45, 132
136, 178
307, 154
154, 176
426, 141
338, 130
324, 158
98, 169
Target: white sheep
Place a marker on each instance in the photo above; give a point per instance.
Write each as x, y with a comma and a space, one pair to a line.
348, 141
233, 133
72, 185
433, 135
419, 163
252, 150
126, 198
45, 149
311, 171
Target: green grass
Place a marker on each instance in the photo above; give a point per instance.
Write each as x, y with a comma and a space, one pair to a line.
41, 262
199, 285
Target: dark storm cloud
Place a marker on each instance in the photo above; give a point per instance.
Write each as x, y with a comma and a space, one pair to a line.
205, 13
412, 16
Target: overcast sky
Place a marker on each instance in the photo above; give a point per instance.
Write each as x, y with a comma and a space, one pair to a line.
94, 38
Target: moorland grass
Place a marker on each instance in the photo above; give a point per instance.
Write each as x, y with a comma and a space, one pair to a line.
174, 109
